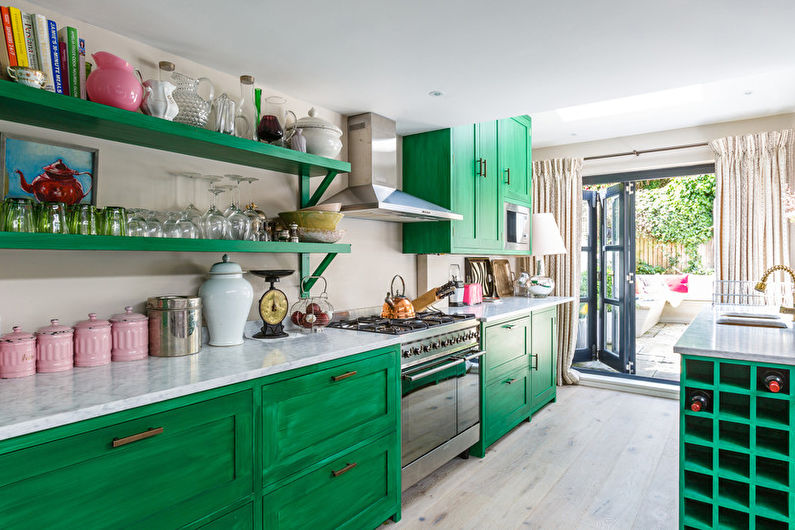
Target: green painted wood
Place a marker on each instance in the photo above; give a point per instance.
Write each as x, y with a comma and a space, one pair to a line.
321, 189
508, 403
22, 104
543, 357
239, 519
488, 213
321, 268
201, 462
308, 418
505, 343
736, 466
18, 240
464, 182
361, 497
515, 162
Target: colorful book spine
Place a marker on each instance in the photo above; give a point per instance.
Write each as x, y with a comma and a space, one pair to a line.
19, 36
30, 42
81, 50
55, 56
40, 31
5, 14
62, 57
68, 35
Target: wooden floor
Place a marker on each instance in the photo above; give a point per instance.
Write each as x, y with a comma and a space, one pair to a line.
595, 459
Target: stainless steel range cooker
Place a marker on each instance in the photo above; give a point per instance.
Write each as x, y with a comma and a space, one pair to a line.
441, 387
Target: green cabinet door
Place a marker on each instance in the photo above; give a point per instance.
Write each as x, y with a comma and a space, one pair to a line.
464, 186
515, 163
507, 403
488, 215
544, 357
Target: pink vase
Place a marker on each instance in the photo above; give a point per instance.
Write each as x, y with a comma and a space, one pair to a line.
112, 82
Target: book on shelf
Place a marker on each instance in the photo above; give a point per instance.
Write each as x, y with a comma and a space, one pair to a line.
64, 67
68, 35
41, 32
81, 50
55, 56
19, 36
8, 33
30, 42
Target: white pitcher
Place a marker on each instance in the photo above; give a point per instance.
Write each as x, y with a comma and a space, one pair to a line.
158, 100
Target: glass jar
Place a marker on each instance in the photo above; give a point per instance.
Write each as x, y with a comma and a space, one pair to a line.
246, 116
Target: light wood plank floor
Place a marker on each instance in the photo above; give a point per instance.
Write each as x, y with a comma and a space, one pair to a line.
595, 459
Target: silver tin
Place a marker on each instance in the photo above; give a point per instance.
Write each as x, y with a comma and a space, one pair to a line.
175, 325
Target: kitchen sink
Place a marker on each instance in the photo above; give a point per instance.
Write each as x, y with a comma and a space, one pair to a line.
763, 320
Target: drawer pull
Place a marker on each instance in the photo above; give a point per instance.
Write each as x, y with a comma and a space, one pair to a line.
535, 358
512, 381
343, 470
508, 326
118, 442
346, 375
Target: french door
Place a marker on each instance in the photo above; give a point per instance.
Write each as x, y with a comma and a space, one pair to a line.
616, 292
587, 326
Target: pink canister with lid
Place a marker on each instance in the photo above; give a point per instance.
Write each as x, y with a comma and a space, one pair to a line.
54, 348
17, 354
92, 342
130, 336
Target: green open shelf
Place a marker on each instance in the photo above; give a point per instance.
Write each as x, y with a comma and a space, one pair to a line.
80, 242
41, 108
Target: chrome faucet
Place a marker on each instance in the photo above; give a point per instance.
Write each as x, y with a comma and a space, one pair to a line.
761, 286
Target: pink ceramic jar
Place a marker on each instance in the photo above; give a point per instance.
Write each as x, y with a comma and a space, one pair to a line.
130, 336
17, 354
92, 342
54, 348
112, 82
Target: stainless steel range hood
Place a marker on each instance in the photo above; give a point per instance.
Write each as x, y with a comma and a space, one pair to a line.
372, 191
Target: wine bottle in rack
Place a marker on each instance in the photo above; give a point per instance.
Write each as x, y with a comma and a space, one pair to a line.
699, 400
772, 380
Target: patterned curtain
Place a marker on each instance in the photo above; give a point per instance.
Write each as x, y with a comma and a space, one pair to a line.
557, 188
751, 233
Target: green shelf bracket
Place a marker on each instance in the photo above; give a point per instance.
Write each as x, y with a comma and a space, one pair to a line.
305, 266
306, 199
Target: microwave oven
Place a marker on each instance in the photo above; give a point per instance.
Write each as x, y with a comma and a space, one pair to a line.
517, 227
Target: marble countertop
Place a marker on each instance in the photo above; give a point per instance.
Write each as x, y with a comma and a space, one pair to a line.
512, 306
745, 343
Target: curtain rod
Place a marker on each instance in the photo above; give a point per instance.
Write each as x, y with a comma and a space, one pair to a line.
644, 151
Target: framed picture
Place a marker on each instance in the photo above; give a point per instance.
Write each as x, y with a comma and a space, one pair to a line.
48, 171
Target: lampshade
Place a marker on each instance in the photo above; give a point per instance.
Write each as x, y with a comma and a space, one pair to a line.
546, 235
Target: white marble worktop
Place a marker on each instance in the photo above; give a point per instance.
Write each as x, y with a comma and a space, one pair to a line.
510, 306
745, 343
43, 401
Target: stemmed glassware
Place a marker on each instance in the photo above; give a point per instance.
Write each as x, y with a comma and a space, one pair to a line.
191, 211
240, 222
214, 224
257, 218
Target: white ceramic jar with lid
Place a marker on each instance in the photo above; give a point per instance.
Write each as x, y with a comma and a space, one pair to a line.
92, 342
54, 348
226, 299
322, 138
17, 354
129, 336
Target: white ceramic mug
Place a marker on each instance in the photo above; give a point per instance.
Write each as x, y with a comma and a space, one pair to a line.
27, 76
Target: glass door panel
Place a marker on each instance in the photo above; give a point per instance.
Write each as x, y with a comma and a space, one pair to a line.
586, 347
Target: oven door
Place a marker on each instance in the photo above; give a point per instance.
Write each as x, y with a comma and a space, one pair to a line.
469, 391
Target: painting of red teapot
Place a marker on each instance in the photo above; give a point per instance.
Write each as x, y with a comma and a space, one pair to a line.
48, 172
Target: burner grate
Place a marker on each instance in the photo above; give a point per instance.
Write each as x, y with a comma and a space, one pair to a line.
378, 324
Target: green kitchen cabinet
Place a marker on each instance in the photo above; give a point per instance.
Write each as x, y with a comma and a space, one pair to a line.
460, 169
515, 156
543, 357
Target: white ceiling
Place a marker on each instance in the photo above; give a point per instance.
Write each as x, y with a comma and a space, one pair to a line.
491, 59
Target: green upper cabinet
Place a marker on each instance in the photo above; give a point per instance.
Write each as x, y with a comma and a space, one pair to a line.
462, 169
515, 159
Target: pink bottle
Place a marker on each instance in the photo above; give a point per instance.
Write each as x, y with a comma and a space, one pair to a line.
17, 354
54, 348
130, 336
113, 82
92, 342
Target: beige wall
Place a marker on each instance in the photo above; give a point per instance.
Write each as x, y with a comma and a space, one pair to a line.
38, 285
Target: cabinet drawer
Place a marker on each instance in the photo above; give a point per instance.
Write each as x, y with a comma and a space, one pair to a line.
199, 462
507, 403
239, 519
356, 490
312, 417
505, 343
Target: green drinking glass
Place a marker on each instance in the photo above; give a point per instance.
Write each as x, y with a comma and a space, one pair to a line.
83, 219
52, 219
114, 221
17, 215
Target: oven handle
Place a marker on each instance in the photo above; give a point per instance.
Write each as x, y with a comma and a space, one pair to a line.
473, 356
436, 370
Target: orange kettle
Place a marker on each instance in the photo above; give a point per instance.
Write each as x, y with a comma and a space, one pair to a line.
396, 305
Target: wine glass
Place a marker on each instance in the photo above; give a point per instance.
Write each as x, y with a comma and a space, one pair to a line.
214, 224
191, 211
170, 225
240, 222
256, 217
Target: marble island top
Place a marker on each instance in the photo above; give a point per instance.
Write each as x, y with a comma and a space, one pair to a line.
706, 338
44, 401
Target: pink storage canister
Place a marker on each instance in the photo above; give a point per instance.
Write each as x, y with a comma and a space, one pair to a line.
54, 348
17, 354
92, 342
130, 336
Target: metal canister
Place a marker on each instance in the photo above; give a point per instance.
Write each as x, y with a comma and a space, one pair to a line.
175, 325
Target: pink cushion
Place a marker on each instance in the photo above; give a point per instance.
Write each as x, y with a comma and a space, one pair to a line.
677, 284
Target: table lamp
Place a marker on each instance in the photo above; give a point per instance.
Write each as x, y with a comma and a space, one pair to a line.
546, 241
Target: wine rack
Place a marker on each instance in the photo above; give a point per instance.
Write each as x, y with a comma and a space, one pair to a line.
736, 464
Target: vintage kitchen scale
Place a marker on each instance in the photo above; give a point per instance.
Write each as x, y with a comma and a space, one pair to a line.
273, 305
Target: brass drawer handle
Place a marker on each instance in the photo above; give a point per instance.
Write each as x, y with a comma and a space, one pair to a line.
118, 442
343, 470
346, 375
512, 381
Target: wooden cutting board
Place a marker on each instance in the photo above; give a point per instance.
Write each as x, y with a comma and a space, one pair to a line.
503, 277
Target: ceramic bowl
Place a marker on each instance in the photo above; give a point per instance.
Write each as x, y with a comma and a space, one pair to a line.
328, 207
310, 235
27, 76
316, 220
322, 142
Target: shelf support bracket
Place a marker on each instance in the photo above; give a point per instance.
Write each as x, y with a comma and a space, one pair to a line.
306, 200
321, 268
